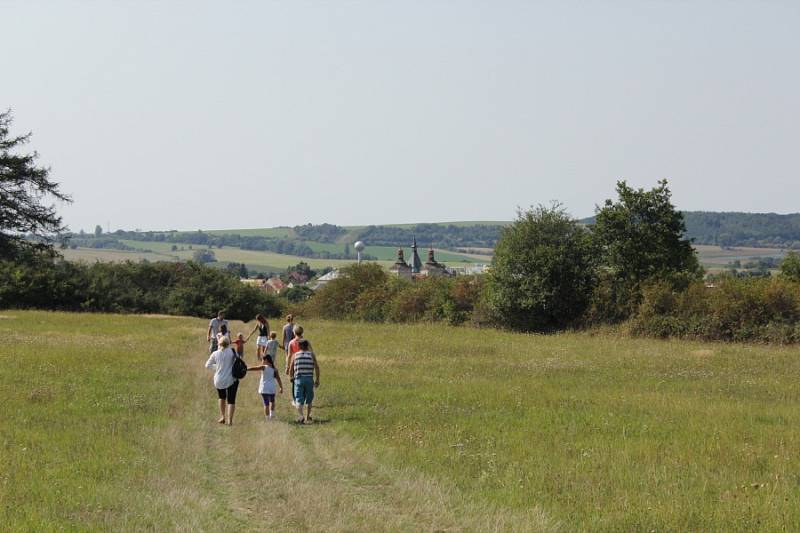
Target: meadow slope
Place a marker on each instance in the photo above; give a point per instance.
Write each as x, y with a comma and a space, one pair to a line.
110, 424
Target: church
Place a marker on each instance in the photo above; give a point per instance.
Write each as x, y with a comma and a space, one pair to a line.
418, 269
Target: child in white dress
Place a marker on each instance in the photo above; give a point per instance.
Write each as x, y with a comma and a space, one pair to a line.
266, 386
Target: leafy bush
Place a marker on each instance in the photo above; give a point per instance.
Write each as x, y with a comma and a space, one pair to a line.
790, 266
754, 309
367, 292
542, 272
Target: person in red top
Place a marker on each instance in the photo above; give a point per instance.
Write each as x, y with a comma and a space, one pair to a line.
293, 347
238, 345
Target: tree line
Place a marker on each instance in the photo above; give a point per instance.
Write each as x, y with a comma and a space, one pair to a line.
759, 230
633, 266
40, 281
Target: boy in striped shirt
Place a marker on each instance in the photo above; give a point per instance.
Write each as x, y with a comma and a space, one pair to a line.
302, 370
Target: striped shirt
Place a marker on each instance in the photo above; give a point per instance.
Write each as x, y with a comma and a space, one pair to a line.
303, 364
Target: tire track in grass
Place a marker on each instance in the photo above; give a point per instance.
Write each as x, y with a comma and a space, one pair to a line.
259, 475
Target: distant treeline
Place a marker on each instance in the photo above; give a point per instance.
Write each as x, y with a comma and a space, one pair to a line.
265, 244
743, 229
766, 230
320, 232
703, 227
100, 242
41, 282
439, 235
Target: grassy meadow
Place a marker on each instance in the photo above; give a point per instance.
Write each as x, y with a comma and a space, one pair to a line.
110, 424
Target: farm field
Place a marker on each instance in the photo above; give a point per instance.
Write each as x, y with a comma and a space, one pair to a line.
279, 262
91, 255
714, 256
418, 427
269, 261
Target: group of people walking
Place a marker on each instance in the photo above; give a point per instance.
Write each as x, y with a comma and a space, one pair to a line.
301, 366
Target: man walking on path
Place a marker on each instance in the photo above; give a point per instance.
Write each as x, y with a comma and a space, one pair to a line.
214, 328
304, 367
288, 334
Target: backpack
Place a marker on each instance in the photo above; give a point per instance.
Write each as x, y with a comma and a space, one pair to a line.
239, 369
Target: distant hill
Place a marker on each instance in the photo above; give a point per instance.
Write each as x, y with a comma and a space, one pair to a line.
760, 230
448, 235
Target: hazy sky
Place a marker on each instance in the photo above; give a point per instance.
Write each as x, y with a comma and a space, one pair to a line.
187, 115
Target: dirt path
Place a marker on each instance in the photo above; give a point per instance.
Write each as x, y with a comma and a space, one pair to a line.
260, 475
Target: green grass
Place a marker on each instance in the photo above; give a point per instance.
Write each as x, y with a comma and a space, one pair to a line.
603, 432
83, 397
108, 425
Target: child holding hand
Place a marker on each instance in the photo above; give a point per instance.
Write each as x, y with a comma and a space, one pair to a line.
238, 345
266, 387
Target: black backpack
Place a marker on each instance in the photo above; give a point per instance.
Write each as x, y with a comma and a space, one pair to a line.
239, 369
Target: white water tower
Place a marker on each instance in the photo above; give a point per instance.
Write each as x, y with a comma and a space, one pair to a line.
359, 247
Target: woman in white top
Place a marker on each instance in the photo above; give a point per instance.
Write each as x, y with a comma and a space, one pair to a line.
227, 385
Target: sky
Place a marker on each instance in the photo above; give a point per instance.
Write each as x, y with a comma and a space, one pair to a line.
220, 115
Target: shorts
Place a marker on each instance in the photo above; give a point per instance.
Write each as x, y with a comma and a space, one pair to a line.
262, 341
268, 398
304, 390
229, 394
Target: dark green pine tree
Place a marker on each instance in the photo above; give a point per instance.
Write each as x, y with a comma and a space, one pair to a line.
27, 222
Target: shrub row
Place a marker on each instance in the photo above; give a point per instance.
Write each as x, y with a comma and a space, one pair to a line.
166, 288
367, 292
733, 309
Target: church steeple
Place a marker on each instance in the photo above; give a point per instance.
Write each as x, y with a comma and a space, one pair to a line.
416, 262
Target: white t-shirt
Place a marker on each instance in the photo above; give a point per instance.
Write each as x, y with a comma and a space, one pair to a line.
222, 362
215, 325
267, 383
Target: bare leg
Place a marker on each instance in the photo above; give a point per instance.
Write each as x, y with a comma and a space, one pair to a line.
267, 410
222, 404
308, 413
231, 409
271, 408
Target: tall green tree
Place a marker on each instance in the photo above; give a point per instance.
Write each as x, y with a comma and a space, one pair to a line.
542, 272
641, 235
25, 189
790, 266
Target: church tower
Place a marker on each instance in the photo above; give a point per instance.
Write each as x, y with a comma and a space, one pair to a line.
416, 262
